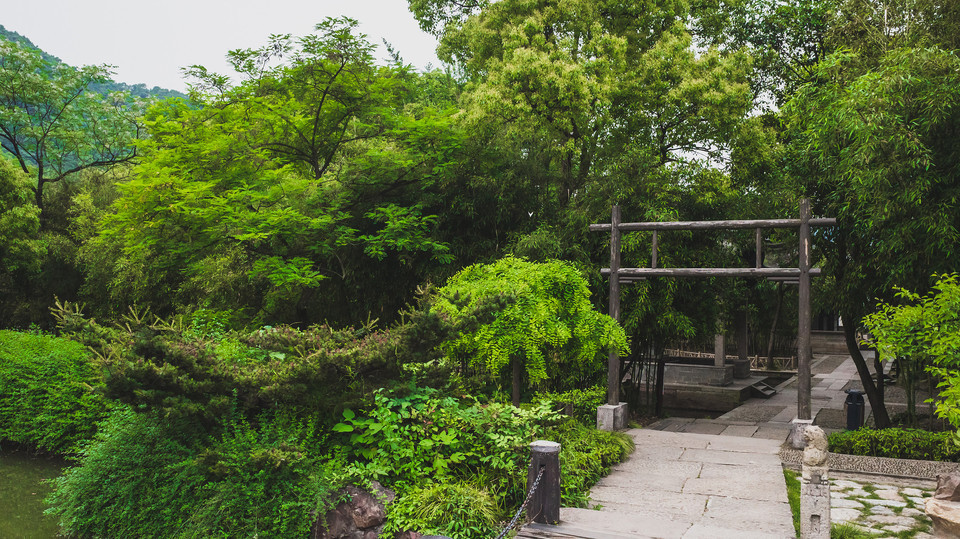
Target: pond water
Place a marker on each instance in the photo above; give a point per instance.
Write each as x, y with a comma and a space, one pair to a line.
22, 489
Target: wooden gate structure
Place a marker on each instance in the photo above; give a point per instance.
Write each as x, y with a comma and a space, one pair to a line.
801, 275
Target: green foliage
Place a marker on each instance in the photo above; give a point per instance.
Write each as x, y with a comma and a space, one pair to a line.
275, 194
924, 331
131, 478
423, 436
147, 473
21, 251
52, 125
581, 404
551, 324
897, 443
455, 509
47, 397
425, 444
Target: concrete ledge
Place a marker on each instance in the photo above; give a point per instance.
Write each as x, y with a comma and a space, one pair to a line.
710, 375
612, 417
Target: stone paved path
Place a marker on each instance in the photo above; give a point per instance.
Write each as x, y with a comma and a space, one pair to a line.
771, 418
887, 510
722, 477
689, 486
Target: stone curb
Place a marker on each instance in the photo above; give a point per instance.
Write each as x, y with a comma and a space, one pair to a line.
905, 469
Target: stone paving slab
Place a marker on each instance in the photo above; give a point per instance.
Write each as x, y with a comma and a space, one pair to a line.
689, 485
743, 431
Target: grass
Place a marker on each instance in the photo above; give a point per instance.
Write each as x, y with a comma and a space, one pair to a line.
793, 496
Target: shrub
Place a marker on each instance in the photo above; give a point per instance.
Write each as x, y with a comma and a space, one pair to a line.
46, 392
135, 477
580, 403
897, 443
164, 477
456, 509
586, 454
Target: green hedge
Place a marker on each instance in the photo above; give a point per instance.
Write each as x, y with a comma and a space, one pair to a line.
897, 443
46, 392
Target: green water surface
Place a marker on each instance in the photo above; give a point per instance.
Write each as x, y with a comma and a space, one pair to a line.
22, 489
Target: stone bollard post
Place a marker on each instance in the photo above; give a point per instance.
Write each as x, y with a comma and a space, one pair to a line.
544, 506
814, 486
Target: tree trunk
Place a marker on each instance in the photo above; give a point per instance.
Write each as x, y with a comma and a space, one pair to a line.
880, 416
773, 326
515, 363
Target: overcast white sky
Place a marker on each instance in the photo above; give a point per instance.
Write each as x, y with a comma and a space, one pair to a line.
150, 42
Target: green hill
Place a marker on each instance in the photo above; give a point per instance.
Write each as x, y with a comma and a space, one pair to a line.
137, 90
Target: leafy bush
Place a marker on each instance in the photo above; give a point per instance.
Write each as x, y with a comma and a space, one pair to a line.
925, 332
169, 478
456, 509
46, 392
550, 325
422, 444
897, 443
579, 403
585, 456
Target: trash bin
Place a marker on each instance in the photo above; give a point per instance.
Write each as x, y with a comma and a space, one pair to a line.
855, 408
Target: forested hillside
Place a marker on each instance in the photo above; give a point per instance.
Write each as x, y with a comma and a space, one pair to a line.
137, 90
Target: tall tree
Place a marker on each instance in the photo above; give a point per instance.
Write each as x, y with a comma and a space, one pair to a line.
272, 187
875, 134
53, 125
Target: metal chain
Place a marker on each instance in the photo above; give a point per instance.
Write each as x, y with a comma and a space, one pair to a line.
523, 506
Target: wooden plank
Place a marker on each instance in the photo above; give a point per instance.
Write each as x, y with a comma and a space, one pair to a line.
713, 225
641, 273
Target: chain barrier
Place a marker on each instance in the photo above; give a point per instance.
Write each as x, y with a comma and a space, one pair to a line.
523, 506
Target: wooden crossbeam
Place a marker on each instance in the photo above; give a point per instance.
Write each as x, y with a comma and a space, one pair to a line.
713, 225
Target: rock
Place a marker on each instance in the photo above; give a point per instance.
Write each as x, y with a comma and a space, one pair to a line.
944, 508
945, 516
948, 487
361, 516
815, 452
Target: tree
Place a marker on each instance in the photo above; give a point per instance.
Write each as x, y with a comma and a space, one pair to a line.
598, 90
21, 251
549, 327
923, 333
53, 125
266, 190
875, 134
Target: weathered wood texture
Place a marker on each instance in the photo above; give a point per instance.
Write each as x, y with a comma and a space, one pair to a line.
712, 225
628, 273
613, 360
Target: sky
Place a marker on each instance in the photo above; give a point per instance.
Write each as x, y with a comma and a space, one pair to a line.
149, 42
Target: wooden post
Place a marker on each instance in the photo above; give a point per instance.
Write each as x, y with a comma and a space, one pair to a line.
759, 248
613, 361
803, 329
653, 250
544, 506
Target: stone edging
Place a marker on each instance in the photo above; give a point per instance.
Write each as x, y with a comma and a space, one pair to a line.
906, 469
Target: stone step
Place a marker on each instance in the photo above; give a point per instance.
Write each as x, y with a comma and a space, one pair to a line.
762, 390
